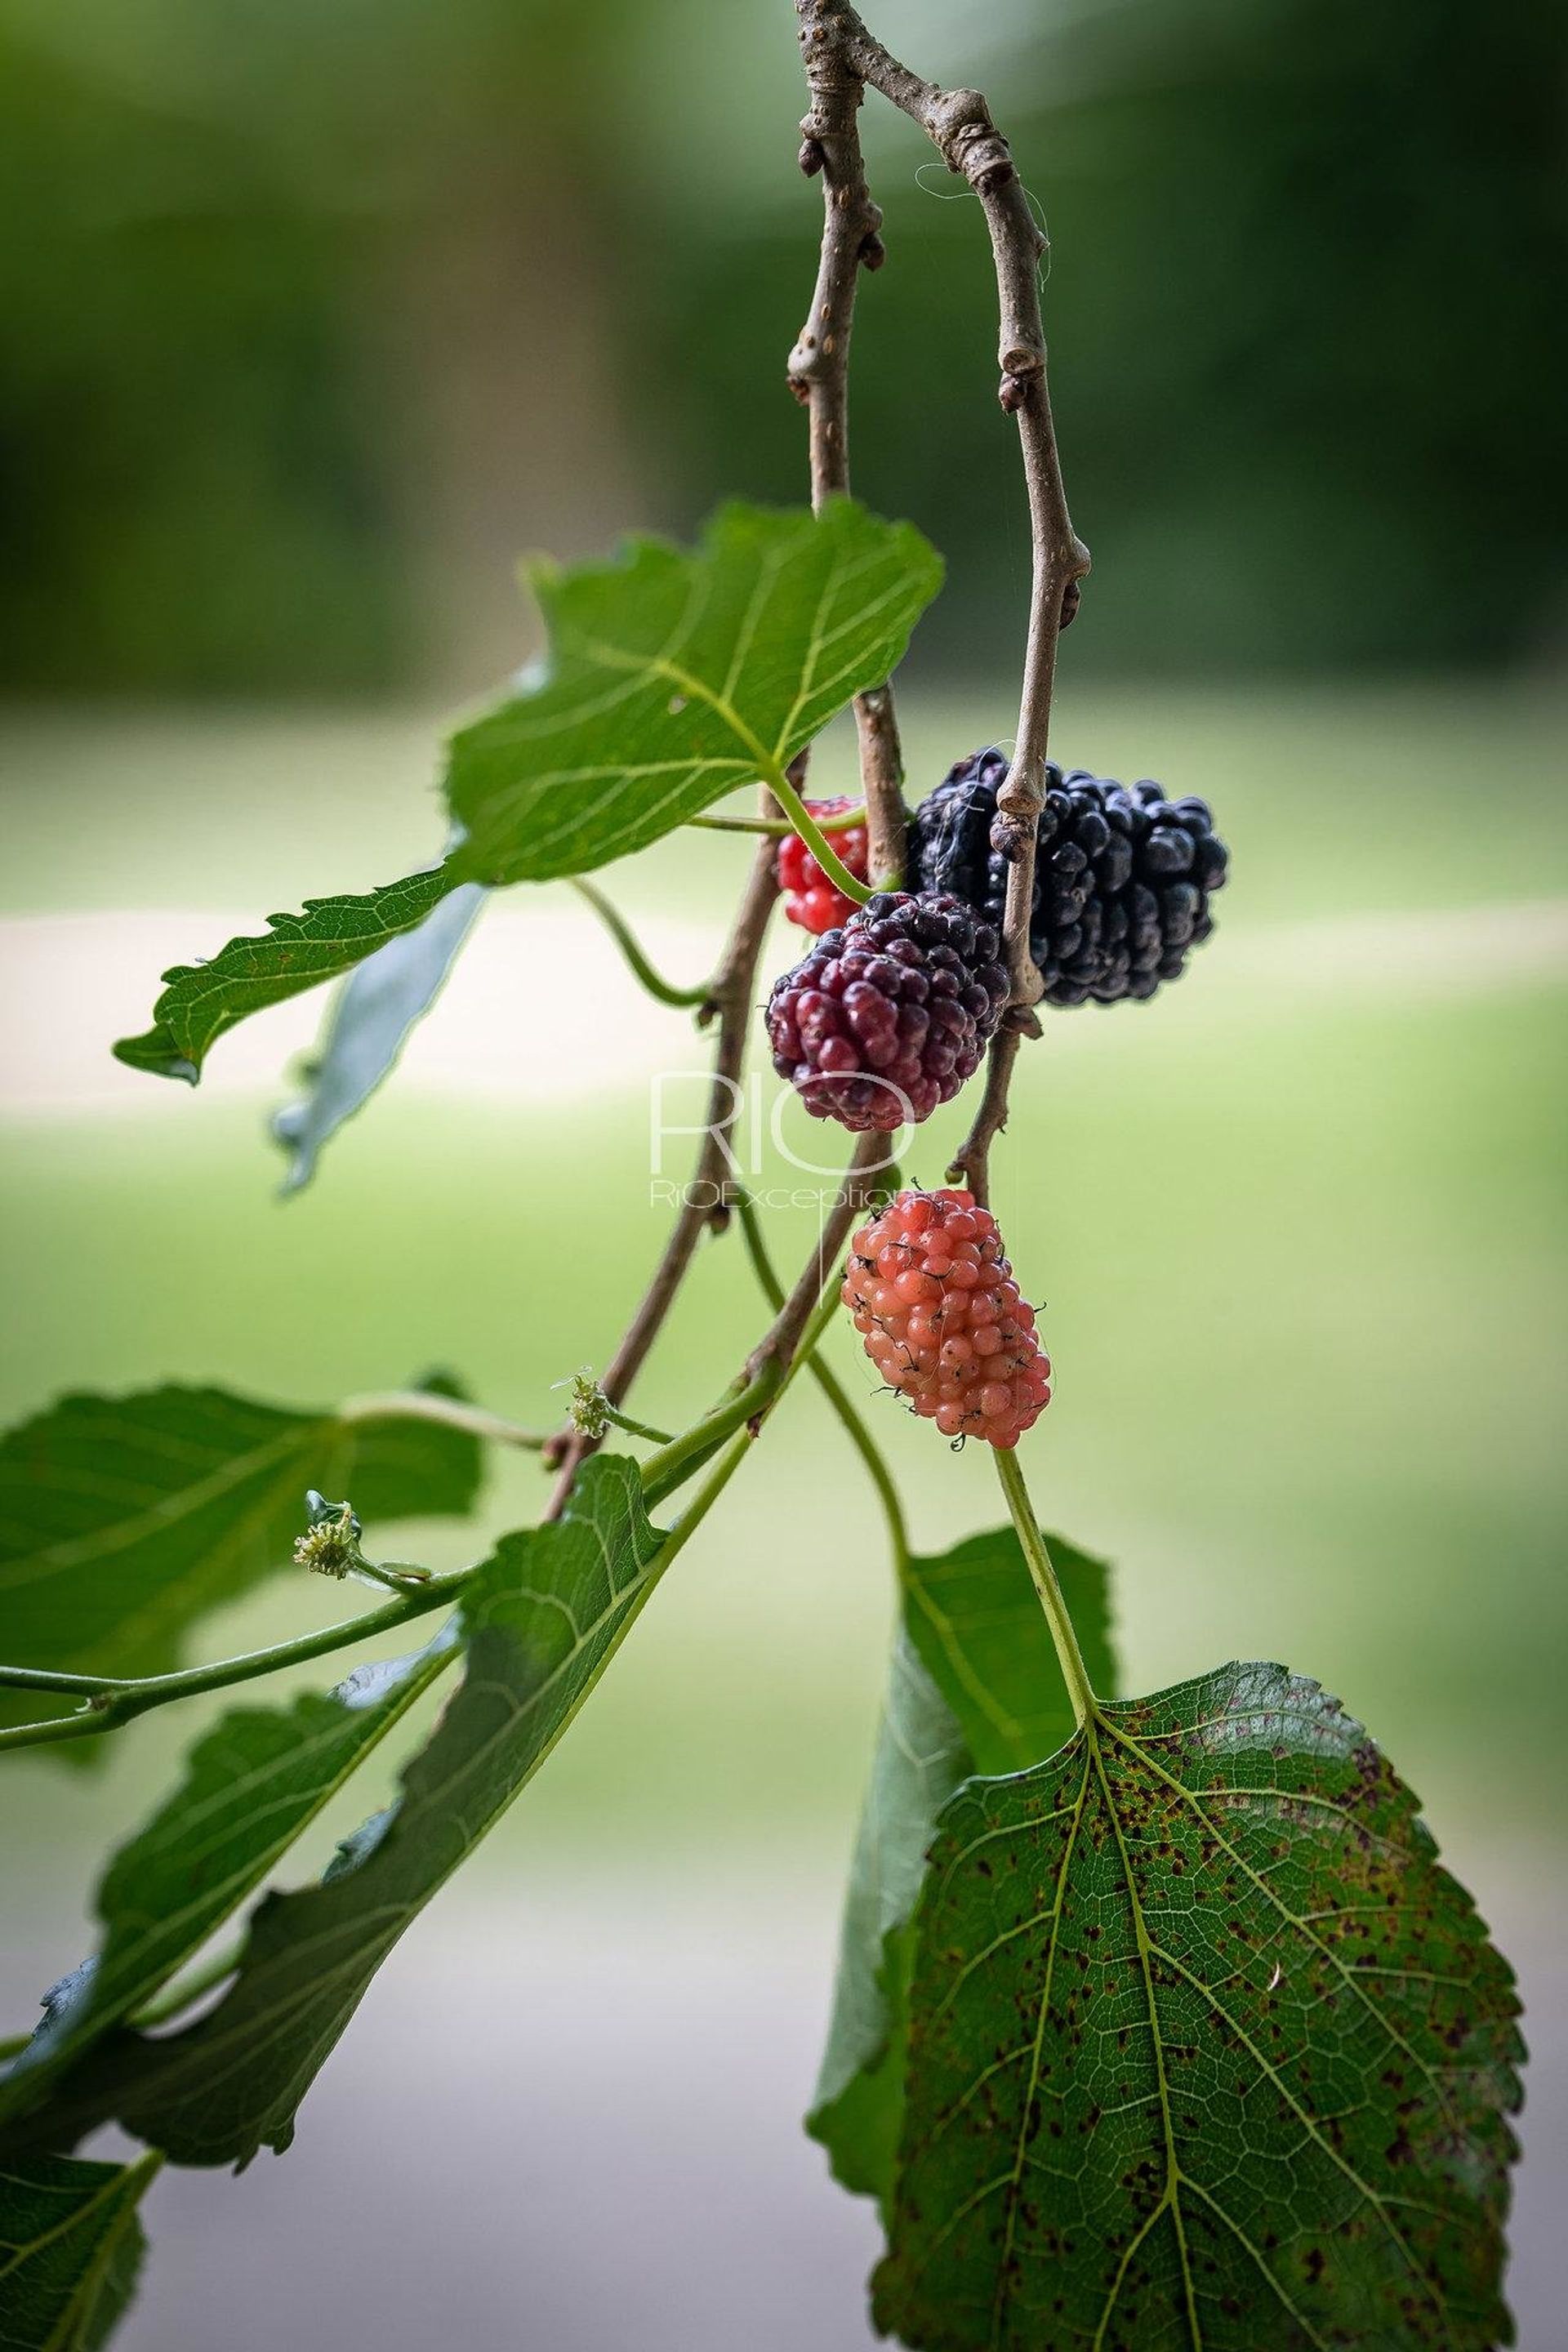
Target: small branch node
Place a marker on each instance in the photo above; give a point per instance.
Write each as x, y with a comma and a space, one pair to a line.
1010, 836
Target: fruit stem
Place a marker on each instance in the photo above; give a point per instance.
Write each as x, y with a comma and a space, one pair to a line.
631, 947
816, 840
1043, 1576
971, 1162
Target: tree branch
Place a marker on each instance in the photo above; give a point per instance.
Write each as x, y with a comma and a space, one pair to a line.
840, 52
818, 375
833, 1388
840, 59
972, 1162
870, 1173
730, 1000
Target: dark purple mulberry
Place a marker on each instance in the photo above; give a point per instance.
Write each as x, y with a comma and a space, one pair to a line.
887, 1017
1122, 876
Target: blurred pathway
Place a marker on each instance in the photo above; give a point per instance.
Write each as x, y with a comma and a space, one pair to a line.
567, 2120
71, 983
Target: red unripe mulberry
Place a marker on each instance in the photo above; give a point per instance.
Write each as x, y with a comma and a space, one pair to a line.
810, 898
934, 1300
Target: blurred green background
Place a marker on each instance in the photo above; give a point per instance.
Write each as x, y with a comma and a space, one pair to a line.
315, 313
313, 318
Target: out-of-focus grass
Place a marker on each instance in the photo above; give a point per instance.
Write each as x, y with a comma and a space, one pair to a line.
1300, 1246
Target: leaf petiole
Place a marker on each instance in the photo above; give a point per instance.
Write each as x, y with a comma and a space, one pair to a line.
631, 947
1044, 1578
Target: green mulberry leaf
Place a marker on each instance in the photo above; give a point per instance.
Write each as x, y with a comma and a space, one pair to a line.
674, 676
974, 1687
251, 1785
368, 1026
200, 1000
920, 1758
70, 2248
543, 1617
123, 1520
973, 1615
1206, 2051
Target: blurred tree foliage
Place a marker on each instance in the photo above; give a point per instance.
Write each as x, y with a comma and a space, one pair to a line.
312, 312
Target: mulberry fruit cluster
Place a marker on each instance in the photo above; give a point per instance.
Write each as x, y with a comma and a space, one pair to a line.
889, 1015
1122, 876
810, 899
934, 1299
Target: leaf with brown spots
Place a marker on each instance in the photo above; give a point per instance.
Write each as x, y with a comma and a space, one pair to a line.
1206, 2053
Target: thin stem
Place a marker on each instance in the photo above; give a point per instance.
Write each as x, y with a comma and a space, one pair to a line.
778, 827
818, 375
882, 782
800, 1320
971, 1163
391, 1575
112, 1701
869, 1178
850, 241
839, 51
668, 1468
730, 997
706, 1495
743, 1439
450, 1412
817, 841
631, 947
1044, 1578
638, 1428
833, 1390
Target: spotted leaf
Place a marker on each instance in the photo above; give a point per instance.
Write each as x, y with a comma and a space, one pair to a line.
1206, 2053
